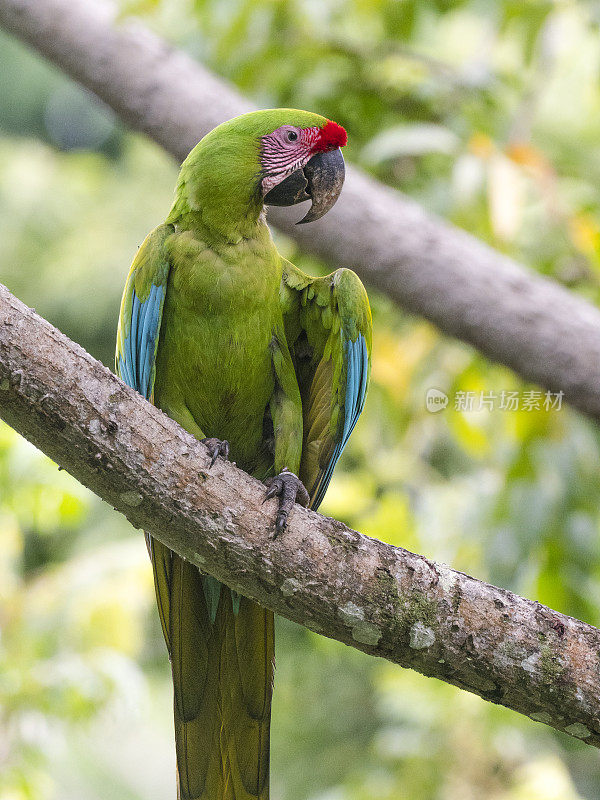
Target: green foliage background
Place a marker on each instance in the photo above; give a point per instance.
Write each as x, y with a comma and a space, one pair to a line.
488, 114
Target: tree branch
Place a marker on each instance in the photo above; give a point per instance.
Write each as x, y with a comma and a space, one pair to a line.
531, 324
375, 597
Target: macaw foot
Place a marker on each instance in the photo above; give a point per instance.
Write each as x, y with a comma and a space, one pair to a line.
290, 489
216, 448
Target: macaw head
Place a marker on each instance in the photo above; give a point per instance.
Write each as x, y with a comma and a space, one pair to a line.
276, 157
303, 161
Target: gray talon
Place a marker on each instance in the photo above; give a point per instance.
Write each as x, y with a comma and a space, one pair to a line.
216, 448
290, 489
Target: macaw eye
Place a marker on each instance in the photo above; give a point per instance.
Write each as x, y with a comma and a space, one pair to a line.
292, 136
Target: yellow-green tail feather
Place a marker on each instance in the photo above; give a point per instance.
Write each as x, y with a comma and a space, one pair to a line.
223, 681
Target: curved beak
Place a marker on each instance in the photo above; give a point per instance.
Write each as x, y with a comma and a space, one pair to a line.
321, 181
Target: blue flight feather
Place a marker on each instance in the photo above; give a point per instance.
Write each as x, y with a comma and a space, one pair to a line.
212, 593
139, 347
357, 368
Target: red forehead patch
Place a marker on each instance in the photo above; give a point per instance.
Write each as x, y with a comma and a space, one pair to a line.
331, 135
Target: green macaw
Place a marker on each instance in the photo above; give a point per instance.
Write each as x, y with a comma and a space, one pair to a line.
263, 363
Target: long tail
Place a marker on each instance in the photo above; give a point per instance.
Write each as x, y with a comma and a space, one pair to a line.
222, 650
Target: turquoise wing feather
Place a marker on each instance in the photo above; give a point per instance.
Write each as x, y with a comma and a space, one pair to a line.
357, 375
141, 314
329, 331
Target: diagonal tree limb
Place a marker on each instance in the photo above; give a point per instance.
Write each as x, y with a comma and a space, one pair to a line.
375, 597
542, 331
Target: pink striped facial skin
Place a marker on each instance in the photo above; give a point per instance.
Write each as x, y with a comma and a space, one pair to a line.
288, 149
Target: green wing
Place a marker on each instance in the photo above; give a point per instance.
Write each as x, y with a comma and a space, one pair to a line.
137, 343
328, 329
